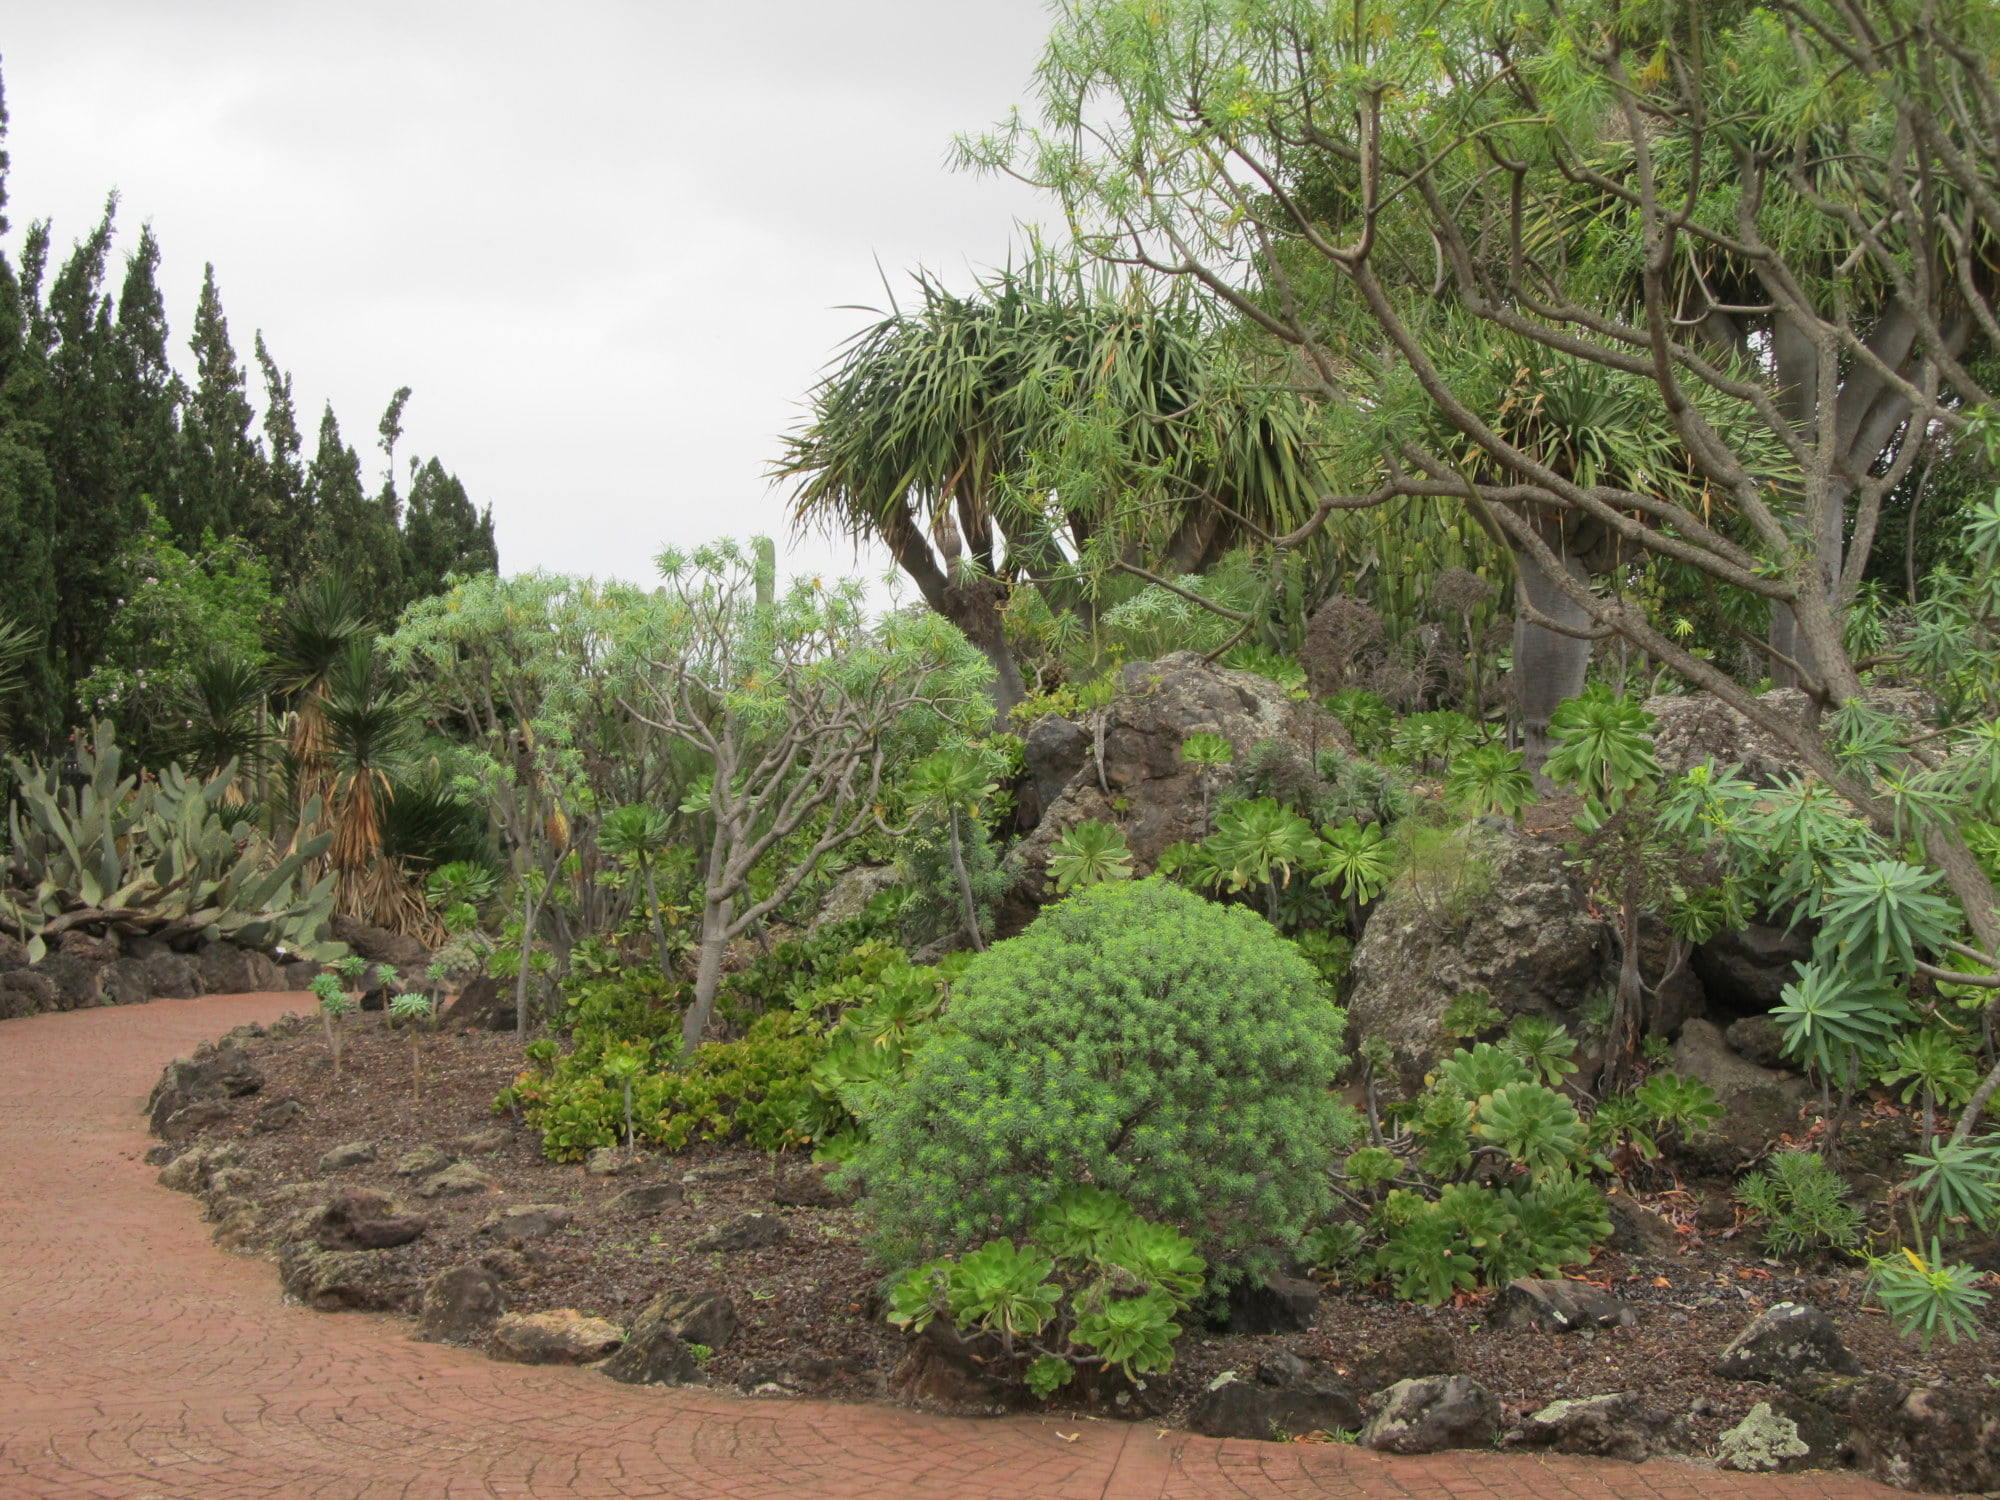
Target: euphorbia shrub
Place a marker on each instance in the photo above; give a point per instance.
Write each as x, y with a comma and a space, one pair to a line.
1136, 1038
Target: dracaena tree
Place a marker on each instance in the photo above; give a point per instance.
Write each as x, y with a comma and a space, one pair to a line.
1768, 231
802, 707
1048, 428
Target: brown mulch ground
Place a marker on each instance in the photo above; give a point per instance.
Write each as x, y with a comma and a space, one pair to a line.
805, 1305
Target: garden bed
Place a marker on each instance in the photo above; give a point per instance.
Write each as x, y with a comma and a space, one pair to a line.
808, 1307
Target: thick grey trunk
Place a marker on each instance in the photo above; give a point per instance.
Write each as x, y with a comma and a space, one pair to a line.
707, 974
1548, 665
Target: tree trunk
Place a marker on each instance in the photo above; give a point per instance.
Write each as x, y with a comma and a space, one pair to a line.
659, 926
530, 910
707, 974
1628, 1010
1548, 665
965, 888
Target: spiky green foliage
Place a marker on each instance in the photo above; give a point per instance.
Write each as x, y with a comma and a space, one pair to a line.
1803, 1204
1925, 1295
1135, 1037
167, 855
1088, 854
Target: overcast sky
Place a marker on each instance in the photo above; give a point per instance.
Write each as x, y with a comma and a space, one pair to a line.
606, 243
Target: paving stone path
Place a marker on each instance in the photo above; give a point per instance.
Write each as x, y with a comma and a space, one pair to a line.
138, 1361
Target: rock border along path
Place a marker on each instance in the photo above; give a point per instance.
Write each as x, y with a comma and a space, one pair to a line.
138, 1361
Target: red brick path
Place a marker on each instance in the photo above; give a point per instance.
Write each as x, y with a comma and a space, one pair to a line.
136, 1360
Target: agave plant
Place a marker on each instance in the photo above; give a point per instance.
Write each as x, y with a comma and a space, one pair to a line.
1260, 842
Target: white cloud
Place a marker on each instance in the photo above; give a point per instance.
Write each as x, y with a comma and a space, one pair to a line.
606, 243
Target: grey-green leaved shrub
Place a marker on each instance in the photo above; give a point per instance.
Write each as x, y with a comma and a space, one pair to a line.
1136, 1038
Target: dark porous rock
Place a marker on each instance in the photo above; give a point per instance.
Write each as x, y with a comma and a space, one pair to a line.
300, 973
610, 1161
349, 1280
706, 1318
78, 983
1941, 1439
644, 1200
1784, 1342
460, 1180
171, 976
421, 1161
363, 1219
1757, 1039
1496, 912
460, 1305
527, 1221
1612, 1426
1275, 1304
751, 1231
1420, 1352
212, 1072
480, 1006
276, 1115
484, 1142
1758, 1104
125, 982
353, 1154
1639, 1230
562, 1337
1053, 751
940, 1370
1143, 786
23, 992
1232, 1408
191, 1119
1282, 1367
95, 949
807, 1189
377, 944
225, 969
1744, 971
1557, 1306
160, 1155
655, 1352
1432, 1414
13, 953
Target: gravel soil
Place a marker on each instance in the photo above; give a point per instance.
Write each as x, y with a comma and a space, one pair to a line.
807, 1305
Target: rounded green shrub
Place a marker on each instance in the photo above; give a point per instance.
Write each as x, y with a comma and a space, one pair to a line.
1136, 1038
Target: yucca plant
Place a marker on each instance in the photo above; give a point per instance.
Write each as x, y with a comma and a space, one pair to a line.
221, 700
369, 729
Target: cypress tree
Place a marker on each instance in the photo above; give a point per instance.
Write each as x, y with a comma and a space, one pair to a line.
442, 532
149, 393
219, 459
98, 511
352, 537
27, 495
279, 526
